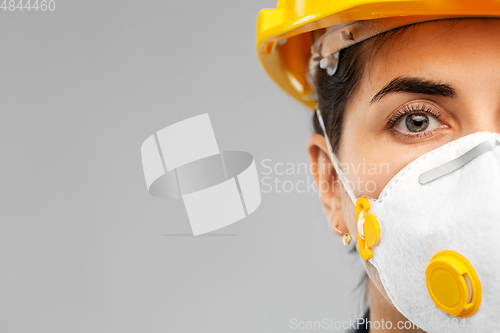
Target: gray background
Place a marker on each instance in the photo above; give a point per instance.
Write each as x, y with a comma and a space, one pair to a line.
83, 246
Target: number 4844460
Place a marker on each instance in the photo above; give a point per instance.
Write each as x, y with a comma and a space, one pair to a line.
30, 5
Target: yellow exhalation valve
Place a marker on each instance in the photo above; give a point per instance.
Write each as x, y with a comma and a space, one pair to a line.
453, 284
368, 229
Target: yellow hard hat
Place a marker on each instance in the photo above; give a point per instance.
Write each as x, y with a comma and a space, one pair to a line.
284, 34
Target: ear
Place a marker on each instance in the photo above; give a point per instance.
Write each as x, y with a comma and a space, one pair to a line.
327, 182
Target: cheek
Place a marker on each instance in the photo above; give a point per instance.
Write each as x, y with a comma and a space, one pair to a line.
369, 173
373, 160
367, 156
373, 177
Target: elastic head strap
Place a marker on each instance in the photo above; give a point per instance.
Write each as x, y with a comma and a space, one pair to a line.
335, 161
325, 50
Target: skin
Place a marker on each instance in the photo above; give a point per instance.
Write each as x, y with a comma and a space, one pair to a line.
463, 56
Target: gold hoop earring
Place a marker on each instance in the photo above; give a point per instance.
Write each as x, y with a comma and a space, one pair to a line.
346, 238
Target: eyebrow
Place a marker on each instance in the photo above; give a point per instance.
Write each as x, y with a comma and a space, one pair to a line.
415, 85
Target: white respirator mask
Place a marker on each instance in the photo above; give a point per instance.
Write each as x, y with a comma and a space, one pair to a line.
434, 232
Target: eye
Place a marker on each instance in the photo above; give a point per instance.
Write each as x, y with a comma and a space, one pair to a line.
417, 122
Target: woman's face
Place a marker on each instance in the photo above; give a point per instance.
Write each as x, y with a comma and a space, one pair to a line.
434, 84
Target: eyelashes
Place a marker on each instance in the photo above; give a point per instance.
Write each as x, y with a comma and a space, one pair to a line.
409, 109
414, 113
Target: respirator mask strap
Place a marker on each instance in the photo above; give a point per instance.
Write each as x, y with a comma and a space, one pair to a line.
368, 229
335, 161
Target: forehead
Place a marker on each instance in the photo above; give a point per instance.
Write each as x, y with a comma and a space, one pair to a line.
442, 50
